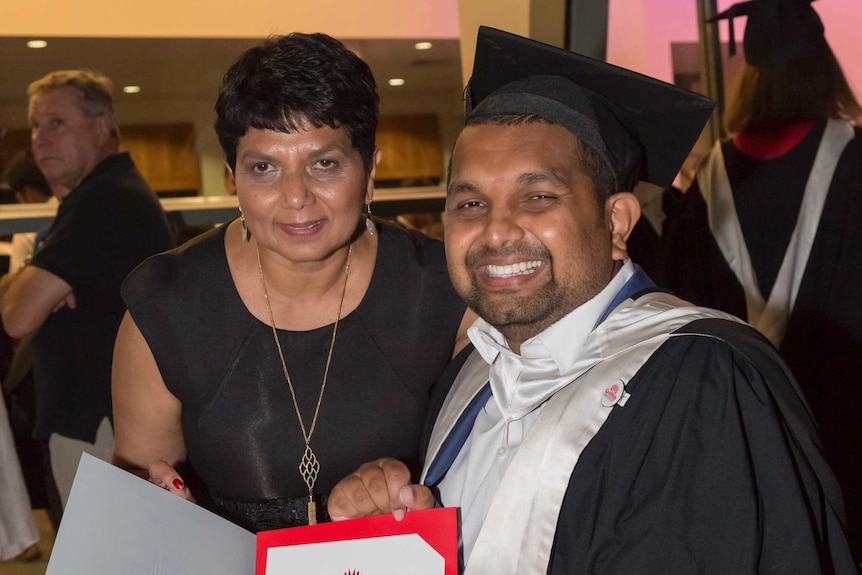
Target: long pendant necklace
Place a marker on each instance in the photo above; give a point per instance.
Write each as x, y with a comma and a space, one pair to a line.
309, 466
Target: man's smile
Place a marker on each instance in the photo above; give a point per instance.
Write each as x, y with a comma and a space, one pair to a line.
516, 269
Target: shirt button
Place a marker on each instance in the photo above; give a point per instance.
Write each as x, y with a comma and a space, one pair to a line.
502, 451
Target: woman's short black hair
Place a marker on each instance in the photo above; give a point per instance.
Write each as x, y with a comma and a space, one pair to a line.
289, 79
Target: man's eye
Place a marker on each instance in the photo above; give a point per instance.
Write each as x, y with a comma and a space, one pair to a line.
260, 167
56, 122
327, 164
471, 204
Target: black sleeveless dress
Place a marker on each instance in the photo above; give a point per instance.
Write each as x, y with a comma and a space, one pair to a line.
241, 431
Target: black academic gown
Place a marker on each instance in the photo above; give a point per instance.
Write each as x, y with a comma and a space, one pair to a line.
822, 344
712, 466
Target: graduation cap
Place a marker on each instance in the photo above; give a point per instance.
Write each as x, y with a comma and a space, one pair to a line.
776, 31
641, 127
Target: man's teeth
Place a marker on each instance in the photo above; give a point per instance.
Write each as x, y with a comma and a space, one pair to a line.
518, 269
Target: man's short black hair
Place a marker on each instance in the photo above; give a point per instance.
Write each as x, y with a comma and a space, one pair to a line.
289, 79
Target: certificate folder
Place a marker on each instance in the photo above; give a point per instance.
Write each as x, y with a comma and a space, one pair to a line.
424, 543
116, 522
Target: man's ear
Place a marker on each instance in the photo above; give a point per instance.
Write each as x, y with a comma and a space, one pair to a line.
622, 211
369, 186
105, 125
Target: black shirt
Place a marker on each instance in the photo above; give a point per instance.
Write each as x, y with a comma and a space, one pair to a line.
105, 227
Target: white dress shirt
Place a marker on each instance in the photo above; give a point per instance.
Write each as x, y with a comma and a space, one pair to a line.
521, 384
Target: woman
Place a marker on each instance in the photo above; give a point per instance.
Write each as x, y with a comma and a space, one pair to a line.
276, 353
769, 230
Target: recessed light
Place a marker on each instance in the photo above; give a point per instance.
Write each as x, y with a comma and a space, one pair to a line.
396, 82
36, 44
422, 45
131, 89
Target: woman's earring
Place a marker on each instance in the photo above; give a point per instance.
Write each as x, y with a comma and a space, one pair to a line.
369, 223
244, 229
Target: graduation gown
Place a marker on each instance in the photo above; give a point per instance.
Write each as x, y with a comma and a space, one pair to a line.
822, 335
712, 465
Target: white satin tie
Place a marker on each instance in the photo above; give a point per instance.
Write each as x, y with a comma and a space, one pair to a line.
547, 361
519, 384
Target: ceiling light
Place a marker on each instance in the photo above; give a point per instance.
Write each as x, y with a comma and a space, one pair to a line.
36, 44
396, 82
131, 89
422, 45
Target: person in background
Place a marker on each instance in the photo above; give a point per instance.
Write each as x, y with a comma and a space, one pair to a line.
18, 533
273, 354
600, 425
25, 180
30, 187
769, 229
68, 297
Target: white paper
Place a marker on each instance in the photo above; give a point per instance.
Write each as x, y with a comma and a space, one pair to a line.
390, 555
117, 523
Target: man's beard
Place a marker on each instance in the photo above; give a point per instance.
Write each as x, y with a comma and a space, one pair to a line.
536, 309
522, 316
505, 308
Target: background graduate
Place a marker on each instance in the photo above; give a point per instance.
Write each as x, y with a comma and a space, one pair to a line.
769, 230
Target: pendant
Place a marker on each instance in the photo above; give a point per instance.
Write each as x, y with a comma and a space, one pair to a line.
312, 510
309, 467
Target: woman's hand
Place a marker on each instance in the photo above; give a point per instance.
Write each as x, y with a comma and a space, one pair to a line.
166, 477
376, 488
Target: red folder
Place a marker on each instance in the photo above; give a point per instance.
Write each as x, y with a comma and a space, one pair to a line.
436, 527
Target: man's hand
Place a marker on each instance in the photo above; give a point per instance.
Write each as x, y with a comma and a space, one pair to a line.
69, 301
376, 488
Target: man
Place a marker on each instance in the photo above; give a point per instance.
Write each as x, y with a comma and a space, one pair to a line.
622, 431
69, 295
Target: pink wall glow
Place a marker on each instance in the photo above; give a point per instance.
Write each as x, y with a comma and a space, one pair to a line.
641, 31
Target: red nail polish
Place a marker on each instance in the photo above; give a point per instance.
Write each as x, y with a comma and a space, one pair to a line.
178, 483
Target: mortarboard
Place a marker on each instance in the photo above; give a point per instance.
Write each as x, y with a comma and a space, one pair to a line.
776, 30
642, 127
